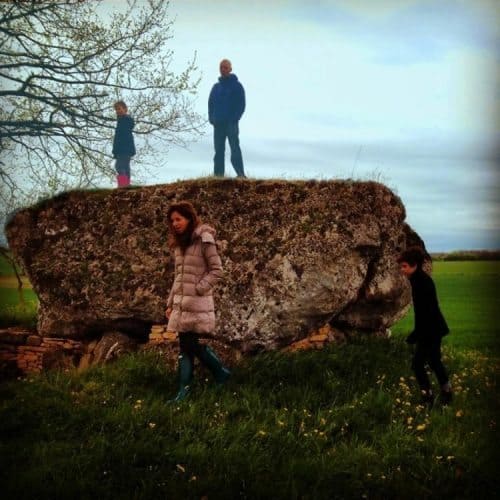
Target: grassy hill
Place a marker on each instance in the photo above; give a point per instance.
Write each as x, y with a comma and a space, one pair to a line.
339, 423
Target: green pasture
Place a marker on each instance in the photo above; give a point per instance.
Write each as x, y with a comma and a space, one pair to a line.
5, 267
468, 293
340, 423
17, 307
469, 297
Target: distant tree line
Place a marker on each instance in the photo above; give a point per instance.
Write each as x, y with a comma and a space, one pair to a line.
467, 255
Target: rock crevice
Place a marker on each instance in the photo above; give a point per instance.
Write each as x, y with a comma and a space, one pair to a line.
297, 255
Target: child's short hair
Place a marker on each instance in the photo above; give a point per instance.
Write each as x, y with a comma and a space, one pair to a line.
414, 256
120, 103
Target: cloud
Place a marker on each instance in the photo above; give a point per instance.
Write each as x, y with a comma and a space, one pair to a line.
407, 32
401, 91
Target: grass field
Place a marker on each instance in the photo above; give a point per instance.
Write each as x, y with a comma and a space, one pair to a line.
469, 295
17, 307
339, 423
5, 267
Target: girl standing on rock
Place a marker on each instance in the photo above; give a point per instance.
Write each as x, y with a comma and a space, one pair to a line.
123, 143
190, 306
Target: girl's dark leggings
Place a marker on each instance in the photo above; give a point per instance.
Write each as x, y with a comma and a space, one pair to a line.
189, 344
428, 351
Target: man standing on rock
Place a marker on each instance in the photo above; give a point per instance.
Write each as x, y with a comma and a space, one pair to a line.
226, 104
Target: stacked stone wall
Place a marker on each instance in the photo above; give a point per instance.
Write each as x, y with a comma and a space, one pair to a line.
23, 351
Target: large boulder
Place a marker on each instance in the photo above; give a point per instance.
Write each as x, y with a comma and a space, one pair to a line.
296, 256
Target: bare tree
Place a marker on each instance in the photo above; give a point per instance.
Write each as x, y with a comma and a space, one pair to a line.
62, 66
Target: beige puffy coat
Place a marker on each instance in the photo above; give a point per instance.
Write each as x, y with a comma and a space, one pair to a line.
197, 270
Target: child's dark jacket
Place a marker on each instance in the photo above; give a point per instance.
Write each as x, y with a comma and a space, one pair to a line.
123, 142
429, 320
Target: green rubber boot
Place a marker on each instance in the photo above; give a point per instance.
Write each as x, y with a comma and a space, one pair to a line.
212, 362
185, 371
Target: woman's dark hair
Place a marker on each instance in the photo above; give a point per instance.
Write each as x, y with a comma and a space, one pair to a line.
414, 256
187, 210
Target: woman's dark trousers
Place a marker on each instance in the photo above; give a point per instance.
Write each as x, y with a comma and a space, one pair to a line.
428, 351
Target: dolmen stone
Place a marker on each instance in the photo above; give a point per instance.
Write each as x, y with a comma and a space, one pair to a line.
296, 255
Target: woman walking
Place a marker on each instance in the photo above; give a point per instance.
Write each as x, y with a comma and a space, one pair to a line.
190, 305
430, 326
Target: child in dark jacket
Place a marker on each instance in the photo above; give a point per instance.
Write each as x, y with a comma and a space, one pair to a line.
123, 143
430, 326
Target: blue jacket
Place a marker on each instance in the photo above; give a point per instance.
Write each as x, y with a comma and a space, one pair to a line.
123, 142
227, 100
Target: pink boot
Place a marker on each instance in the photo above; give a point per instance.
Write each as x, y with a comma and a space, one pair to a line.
123, 180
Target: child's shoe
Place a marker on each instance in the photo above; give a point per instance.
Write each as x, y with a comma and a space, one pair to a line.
427, 398
446, 397
123, 180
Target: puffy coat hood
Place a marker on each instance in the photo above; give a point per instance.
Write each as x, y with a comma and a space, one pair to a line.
205, 232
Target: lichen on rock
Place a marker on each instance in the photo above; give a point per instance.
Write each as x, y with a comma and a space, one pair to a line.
296, 255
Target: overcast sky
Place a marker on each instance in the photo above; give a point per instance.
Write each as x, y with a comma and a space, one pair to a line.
404, 92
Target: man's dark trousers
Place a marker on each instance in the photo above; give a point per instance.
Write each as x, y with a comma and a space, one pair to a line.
231, 131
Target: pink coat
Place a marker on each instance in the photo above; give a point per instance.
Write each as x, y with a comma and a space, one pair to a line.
197, 270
